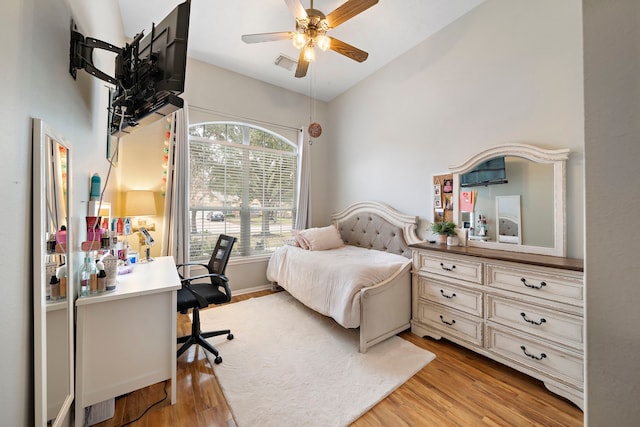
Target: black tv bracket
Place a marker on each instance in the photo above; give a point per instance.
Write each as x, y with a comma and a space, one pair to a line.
81, 55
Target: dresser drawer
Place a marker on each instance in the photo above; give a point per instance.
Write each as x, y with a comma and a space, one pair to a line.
537, 282
453, 267
544, 358
450, 322
460, 298
565, 329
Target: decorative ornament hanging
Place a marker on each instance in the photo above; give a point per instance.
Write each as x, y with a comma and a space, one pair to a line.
315, 130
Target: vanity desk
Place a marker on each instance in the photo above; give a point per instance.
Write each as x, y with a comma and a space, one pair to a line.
523, 310
126, 338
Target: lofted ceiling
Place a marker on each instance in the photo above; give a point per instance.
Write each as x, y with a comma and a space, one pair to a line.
385, 31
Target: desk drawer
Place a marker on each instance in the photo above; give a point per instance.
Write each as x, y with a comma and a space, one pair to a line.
537, 282
452, 267
565, 329
460, 298
450, 322
545, 358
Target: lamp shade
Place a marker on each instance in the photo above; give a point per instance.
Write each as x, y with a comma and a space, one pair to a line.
140, 203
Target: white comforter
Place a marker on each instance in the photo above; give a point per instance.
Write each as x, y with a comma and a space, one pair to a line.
329, 281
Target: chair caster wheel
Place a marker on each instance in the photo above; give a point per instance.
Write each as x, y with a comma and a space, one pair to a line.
218, 360
230, 336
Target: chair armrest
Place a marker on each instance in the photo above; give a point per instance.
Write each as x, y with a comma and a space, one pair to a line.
204, 276
190, 264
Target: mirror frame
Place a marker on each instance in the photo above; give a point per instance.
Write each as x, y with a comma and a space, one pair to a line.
42, 133
557, 157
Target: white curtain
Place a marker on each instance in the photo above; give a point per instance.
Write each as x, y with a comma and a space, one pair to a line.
175, 240
303, 217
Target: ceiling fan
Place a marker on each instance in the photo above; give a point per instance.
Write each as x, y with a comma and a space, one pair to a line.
311, 30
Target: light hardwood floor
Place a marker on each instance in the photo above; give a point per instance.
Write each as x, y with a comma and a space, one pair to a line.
459, 388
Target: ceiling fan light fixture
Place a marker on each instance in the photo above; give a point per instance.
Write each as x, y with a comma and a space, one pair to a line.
309, 53
299, 40
323, 42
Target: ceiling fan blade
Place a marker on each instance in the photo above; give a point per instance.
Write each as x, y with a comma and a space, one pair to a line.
348, 10
347, 50
267, 37
296, 8
303, 65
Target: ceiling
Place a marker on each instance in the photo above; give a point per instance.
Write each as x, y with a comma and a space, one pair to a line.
385, 31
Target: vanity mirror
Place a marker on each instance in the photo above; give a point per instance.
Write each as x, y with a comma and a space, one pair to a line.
527, 203
53, 284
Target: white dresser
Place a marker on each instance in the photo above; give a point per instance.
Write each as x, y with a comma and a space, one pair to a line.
523, 310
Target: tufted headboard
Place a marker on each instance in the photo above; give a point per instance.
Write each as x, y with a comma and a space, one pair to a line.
374, 225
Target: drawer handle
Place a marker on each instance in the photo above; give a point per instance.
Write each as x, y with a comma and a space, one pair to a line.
533, 322
447, 296
524, 281
453, 322
533, 356
447, 268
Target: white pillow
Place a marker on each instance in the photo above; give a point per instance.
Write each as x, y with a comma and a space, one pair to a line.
291, 241
302, 243
323, 238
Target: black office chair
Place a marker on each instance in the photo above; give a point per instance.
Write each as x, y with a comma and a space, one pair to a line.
199, 295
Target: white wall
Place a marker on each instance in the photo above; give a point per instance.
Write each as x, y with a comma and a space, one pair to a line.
36, 83
612, 150
508, 71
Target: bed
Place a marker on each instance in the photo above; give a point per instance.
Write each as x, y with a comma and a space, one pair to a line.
365, 283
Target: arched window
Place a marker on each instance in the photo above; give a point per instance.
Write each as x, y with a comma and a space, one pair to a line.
243, 183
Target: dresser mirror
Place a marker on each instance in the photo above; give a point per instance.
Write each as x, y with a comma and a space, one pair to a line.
508, 220
524, 197
53, 284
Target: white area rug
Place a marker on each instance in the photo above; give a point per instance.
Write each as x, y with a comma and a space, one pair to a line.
290, 366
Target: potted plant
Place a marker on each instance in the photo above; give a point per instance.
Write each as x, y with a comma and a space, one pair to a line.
445, 229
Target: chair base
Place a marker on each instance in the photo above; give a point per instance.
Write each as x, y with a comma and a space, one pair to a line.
197, 337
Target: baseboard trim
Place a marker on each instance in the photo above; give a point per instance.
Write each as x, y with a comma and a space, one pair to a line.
250, 290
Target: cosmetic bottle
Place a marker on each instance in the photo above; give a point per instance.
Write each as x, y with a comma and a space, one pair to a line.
93, 279
85, 276
51, 243
102, 277
61, 274
61, 237
54, 286
95, 187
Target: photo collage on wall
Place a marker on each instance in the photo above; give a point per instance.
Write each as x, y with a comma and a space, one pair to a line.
443, 197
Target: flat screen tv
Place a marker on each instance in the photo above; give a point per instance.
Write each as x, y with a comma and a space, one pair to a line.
491, 172
149, 71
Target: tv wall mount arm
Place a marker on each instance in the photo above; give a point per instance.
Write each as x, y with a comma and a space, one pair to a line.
81, 55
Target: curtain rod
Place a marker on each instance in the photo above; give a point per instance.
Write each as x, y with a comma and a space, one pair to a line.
232, 116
